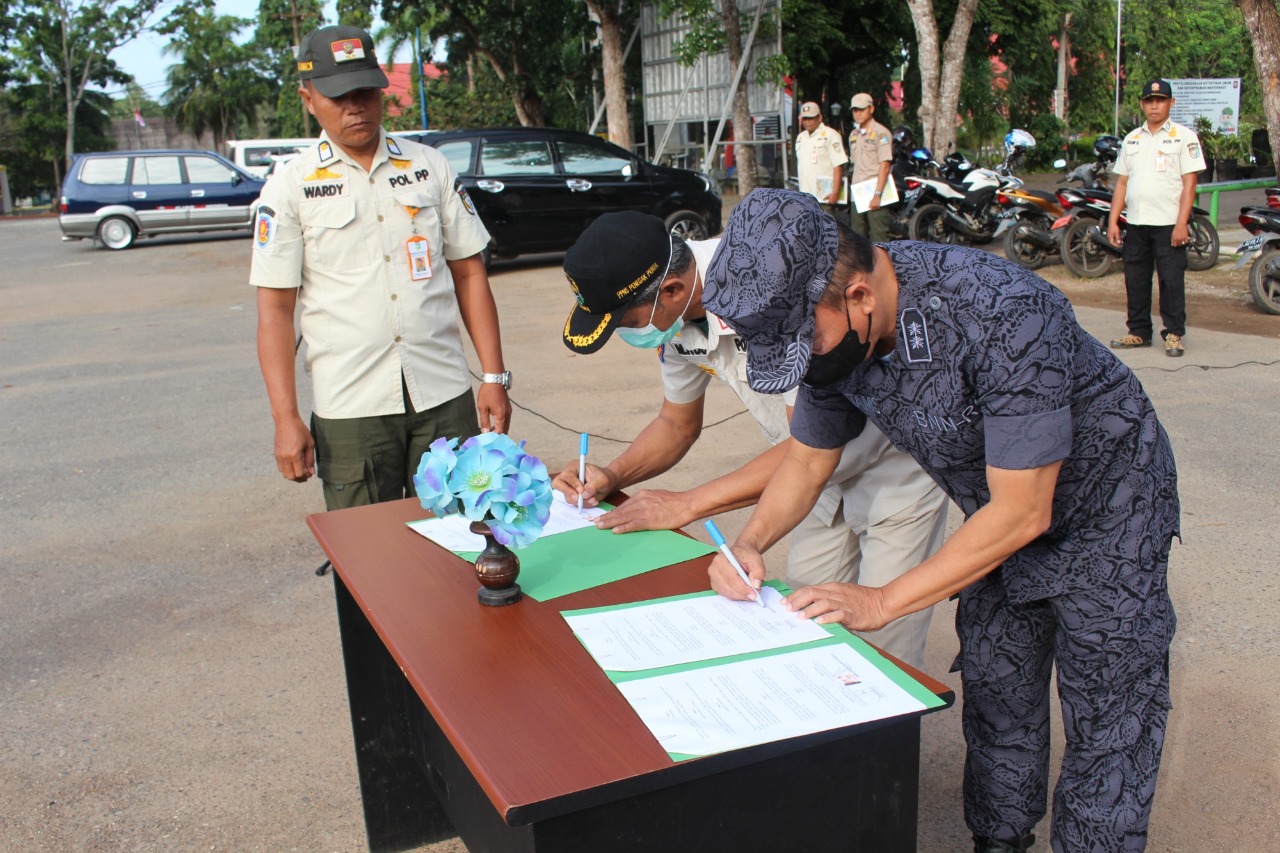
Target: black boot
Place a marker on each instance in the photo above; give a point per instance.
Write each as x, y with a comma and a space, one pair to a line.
996, 845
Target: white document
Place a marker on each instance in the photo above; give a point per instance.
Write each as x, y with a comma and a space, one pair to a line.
667, 633
864, 190
822, 188
453, 532
716, 709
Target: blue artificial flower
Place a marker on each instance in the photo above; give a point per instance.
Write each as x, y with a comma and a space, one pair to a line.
481, 477
490, 478
431, 482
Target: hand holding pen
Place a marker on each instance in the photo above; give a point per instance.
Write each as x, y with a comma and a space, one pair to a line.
718, 538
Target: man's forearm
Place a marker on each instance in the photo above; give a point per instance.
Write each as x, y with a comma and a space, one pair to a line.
738, 488
479, 311
276, 343
657, 448
792, 491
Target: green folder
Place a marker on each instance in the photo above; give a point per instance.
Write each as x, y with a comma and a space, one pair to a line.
581, 559
839, 636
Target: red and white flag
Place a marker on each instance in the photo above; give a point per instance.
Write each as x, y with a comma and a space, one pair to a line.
137, 116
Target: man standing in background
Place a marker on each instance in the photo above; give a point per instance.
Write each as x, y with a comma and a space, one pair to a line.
1157, 170
820, 158
871, 152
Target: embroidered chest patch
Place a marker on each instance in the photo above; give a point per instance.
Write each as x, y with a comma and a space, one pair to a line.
915, 335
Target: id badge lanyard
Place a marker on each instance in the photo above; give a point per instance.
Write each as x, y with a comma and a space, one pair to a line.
417, 249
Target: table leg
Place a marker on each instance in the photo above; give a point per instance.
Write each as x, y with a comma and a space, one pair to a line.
400, 809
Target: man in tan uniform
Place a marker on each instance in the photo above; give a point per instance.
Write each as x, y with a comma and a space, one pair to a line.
871, 152
820, 158
378, 241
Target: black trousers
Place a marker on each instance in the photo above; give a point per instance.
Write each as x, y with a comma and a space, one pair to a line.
1147, 249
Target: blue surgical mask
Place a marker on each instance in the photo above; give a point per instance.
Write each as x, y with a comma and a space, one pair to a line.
650, 336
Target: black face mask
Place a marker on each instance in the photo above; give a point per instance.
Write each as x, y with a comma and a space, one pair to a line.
830, 367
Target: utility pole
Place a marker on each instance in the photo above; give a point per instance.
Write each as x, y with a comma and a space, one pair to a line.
295, 17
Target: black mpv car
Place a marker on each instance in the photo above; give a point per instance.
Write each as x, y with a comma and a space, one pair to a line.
537, 188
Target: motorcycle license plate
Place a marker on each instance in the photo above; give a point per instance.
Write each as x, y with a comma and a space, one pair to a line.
1252, 244
1059, 222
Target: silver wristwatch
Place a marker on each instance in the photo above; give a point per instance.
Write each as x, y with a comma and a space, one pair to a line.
503, 379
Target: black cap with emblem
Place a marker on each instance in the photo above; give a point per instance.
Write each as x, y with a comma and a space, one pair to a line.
338, 60
614, 259
1156, 89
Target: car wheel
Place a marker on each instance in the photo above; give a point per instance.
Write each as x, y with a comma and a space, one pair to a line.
117, 233
687, 225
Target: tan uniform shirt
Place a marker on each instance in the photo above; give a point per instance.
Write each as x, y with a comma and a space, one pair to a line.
868, 148
873, 479
1155, 164
817, 155
341, 234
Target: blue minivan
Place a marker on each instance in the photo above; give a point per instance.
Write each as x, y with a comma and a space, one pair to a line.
115, 197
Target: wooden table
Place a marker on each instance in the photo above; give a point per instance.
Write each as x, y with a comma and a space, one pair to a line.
494, 724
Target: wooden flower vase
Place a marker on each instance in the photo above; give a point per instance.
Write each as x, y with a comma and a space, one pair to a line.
497, 568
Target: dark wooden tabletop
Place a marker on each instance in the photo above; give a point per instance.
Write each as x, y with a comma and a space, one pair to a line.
533, 716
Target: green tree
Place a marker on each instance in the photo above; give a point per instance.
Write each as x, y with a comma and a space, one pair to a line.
941, 68
845, 48
216, 84
356, 13
534, 49
712, 31
468, 101
280, 27
1262, 20
614, 16
33, 141
66, 44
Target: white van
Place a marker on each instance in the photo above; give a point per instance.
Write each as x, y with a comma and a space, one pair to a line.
256, 156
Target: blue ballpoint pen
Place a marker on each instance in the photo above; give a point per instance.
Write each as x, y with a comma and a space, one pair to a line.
582, 466
718, 538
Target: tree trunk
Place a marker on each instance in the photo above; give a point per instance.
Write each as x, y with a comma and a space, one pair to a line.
615, 82
529, 108
1263, 22
927, 54
941, 71
70, 144
745, 155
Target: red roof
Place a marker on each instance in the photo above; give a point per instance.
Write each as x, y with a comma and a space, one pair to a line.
401, 86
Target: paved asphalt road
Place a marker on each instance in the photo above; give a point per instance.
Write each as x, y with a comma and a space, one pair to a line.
170, 677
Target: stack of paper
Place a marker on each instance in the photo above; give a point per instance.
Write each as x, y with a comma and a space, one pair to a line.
708, 675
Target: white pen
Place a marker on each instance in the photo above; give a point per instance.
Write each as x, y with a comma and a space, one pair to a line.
582, 466
718, 538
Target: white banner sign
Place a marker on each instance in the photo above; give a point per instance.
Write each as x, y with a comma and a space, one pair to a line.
1218, 100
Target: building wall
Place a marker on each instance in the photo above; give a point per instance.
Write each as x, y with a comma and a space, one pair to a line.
159, 133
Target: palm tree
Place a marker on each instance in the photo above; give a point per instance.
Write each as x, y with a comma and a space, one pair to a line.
215, 84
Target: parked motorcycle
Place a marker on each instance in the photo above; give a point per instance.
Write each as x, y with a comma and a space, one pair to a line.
1088, 253
911, 166
966, 210
1264, 275
1028, 216
1081, 231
